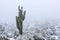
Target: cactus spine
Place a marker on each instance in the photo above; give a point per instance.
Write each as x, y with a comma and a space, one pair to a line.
19, 19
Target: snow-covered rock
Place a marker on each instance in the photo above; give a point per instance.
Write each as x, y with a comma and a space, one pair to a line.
11, 39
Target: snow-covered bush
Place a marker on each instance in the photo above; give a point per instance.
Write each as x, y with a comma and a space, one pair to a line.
39, 31
7, 33
46, 31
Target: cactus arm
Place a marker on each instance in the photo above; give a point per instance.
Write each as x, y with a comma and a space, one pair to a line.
20, 11
17, 23
18, 8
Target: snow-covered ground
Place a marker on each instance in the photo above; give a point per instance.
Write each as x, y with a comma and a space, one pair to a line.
47, 30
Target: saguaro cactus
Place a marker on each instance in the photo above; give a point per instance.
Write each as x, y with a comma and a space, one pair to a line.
20, 18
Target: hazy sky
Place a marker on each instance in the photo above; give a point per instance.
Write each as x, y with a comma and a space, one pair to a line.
36, 10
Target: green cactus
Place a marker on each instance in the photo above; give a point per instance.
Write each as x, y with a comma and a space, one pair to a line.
19, 19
